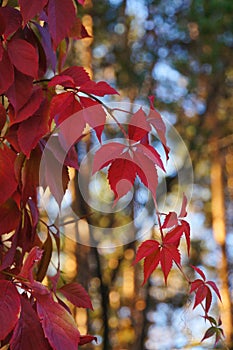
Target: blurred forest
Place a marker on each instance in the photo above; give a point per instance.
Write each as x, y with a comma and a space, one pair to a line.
181, 51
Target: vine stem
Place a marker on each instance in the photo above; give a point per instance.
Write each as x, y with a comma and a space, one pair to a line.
183, 273
159, 220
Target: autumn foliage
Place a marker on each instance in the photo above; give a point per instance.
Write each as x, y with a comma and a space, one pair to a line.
32, 59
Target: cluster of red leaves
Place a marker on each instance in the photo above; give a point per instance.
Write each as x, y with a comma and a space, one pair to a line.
33, 36
137, 157
166, 251
39, 322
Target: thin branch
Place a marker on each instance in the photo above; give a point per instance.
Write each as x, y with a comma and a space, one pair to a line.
109, 111
41, 81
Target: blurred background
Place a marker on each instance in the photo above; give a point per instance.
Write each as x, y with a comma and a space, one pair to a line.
180, 51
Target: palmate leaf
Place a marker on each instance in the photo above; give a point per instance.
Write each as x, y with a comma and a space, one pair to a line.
203, 291
156, 253
136, 158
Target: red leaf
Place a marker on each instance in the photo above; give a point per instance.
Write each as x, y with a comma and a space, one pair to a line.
33, 129
85, 339
169, 253
146, 248
147, 172
54, 175
76, 294
71, 159
68, 158
12, 137
8, 183
30, 106
186, 229
20, 91
31, 8
78, 74
208, 301
1, 48
2, 117
138, 126
23, 56
170, 220
151, 153
68, 134
27, 269
156, 120
150, 264
155, 253
13, 20
63, 106
121, 176
106, 154
94, 115
28, 333
9, 307
195, 285
99, 89
199, 271
215, 288
201, 294
150, 250
61, 17
183, 211
6, 73
58, 325
173, 236
9, 216
63, 80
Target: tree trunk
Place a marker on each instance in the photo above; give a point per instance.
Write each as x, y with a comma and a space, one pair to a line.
219, 230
